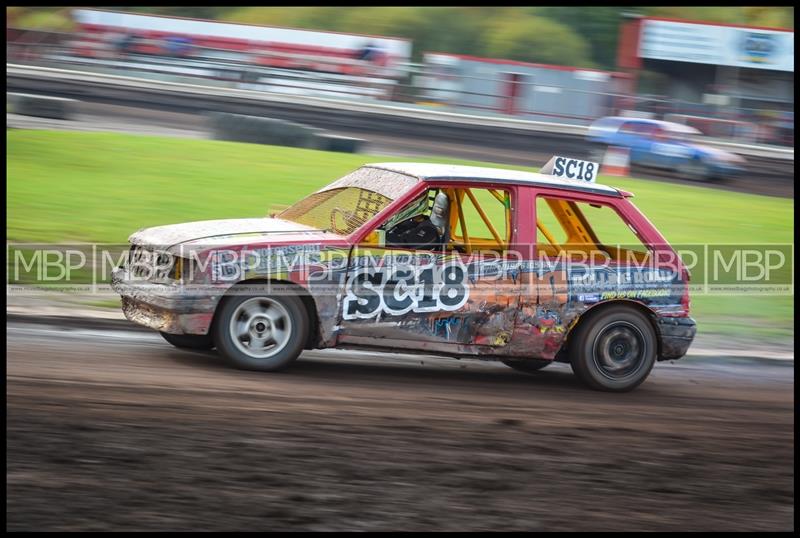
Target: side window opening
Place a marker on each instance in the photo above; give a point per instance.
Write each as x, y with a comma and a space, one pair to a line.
570, 227
481, 219
470, 219
646, 129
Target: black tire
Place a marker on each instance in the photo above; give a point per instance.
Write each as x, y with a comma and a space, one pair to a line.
528, 366
241, 352
189, 341
613, 349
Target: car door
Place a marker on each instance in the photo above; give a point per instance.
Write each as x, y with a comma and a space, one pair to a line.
642, 145
586, 253
453, 296
630, 136
669, 151
624, 135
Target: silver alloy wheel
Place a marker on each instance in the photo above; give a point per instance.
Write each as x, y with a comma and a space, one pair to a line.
260, 327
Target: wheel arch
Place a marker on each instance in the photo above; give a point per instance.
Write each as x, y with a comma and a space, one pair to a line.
309, 304
593, 310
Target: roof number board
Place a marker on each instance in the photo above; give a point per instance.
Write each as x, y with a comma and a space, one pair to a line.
571, 169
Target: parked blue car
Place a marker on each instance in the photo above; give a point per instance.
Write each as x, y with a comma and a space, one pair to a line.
665, 145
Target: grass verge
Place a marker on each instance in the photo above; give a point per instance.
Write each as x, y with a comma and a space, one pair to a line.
100, 187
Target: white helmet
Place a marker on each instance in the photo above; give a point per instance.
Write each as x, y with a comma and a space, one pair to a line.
440, 214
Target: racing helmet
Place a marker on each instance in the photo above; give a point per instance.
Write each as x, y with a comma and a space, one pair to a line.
440, 213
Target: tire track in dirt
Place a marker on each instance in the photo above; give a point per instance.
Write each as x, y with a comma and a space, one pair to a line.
109, 433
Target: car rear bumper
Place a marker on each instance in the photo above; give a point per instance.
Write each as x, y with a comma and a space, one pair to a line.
677, 335
164, 308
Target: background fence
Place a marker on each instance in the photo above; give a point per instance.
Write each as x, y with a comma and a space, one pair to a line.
530, 95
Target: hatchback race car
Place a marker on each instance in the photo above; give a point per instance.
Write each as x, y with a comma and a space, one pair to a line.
665, 145
524, 268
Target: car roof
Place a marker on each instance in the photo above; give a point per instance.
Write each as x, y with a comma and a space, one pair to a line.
669, 125
451, 172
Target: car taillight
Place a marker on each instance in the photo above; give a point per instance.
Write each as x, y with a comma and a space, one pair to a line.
685, 300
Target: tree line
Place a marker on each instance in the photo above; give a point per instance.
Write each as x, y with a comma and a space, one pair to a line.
577, 36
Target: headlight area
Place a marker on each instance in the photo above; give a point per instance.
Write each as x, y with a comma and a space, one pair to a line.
185, 271
180, 270
176, 271
149, 265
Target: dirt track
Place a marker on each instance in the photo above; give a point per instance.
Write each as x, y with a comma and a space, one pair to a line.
119, 431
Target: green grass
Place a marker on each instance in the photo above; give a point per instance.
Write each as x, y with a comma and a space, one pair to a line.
107, 303
100, 187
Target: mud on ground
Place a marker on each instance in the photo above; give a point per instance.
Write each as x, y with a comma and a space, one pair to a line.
128, 435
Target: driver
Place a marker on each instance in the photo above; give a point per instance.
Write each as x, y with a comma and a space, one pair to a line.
440, 215
422, 231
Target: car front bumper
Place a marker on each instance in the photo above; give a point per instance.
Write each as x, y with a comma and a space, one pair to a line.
165, 307
677, 335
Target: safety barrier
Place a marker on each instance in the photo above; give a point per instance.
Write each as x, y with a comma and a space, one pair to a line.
325, 112
40, 105
272, 131
318, 75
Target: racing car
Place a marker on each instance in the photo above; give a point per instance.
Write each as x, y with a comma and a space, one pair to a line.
664, 145
467, 262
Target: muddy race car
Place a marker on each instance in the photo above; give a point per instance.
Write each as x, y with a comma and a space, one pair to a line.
524, 268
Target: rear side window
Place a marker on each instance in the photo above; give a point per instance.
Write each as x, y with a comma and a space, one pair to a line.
646, 129
567, 226
628, 128
639, 128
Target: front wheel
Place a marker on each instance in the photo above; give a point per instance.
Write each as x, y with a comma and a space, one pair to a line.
528, 366
261, 332
614, 349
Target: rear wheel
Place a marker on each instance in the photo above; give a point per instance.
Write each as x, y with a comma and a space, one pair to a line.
261, 332
528, 366
189, 341
614, 349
